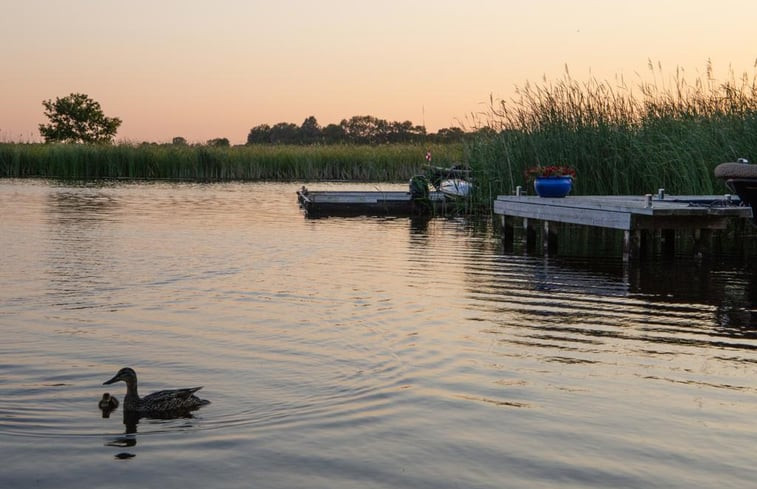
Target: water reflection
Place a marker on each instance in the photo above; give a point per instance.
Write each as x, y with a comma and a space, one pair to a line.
131, 420
401, 352
82, 250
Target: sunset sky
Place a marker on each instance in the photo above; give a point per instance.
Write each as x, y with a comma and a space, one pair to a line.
202, 70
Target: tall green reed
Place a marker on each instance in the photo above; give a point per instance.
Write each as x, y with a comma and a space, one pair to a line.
393, 162
620, 140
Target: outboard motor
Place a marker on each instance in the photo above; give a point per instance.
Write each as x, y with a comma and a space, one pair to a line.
419, 187
740, 178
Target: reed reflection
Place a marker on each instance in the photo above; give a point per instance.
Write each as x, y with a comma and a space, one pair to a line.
81, 249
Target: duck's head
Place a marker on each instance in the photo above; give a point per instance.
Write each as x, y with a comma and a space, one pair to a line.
125, 374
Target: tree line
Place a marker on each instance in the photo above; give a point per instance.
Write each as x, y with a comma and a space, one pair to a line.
77, 118
359, 129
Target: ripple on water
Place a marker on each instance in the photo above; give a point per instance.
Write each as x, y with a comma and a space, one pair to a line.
361, 351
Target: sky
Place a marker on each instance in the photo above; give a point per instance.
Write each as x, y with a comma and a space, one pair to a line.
202, 70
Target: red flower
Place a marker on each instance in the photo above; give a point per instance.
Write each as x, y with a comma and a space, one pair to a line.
549, 171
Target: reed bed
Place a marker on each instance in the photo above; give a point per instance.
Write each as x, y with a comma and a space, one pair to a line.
620, 140
364, 163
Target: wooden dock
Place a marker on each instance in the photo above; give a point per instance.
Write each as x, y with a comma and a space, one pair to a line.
634, 215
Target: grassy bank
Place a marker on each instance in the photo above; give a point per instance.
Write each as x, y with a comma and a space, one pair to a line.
621, 140
391, 163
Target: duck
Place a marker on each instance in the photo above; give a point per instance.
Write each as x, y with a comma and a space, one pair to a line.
108, 402
165, 401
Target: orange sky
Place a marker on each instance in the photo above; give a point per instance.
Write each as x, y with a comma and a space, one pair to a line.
203, 70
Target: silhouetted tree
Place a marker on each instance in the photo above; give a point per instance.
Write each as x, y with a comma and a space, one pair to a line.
179, 141
310, 131
333, 134
285, 133
365, 129
449, 135
259, 134
405, 132
77, 118
219, 142
362, 129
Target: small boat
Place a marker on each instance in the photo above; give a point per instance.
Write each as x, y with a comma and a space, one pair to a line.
317, 203
439, 191
455, 187
454, 182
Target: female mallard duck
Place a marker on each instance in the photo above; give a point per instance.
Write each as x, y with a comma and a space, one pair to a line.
162, 401
108, 403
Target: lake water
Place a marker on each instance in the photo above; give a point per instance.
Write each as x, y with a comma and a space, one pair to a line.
357, 352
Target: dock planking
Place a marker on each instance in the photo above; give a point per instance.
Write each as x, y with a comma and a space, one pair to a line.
629, 213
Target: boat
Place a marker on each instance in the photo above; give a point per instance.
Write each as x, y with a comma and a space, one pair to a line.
324, 203
438, 191
456, 187
454, 182
741, 178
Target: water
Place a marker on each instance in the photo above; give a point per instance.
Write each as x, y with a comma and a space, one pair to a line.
357, 352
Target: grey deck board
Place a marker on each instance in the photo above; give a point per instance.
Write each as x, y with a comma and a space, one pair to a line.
624, 212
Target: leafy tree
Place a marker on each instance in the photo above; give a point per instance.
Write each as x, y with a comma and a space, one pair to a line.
259, 134
77, 118
365, 129
310, 131
333, 134
403, 132
449, 134
359, 129
219, 142
285, 133
179, 141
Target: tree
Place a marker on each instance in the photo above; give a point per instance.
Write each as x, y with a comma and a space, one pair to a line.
179, 141
259, 134
333, 134
219, 142
285, 133
449, 135
365, 129
77, 118
310, 131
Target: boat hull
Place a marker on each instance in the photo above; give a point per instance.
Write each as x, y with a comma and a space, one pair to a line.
376, 203
455, 187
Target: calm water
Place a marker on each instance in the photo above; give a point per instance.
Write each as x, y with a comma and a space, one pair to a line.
360, 352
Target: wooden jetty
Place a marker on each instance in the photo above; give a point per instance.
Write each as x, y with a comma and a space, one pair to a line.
636, 216
374, 203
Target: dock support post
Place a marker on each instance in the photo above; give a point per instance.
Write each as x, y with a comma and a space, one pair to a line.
668, 242
530, 232
631, 244
549, 237
702, 241
508, 233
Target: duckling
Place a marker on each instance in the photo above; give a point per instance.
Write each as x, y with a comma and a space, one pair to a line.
173, 400
108, 402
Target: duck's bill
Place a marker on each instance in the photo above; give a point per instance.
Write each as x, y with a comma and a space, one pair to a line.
114, 379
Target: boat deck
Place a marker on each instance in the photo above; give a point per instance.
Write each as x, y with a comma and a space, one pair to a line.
374, 203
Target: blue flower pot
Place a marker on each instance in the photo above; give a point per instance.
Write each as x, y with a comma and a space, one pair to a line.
553, 186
